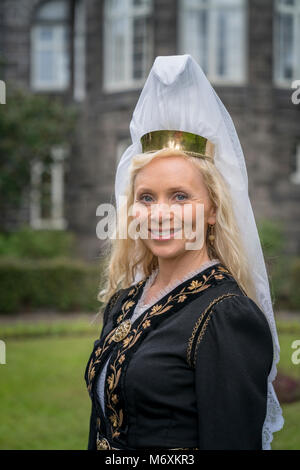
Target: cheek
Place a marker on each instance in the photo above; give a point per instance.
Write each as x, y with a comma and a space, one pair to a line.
195, 215
189, 213
140, 212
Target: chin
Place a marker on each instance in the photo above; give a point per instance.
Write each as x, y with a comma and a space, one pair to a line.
169, 250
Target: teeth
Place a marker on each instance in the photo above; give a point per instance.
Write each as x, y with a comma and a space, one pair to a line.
163, 234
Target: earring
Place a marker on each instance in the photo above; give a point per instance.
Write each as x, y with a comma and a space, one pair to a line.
211, 236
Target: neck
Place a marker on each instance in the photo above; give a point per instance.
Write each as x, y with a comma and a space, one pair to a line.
175, 268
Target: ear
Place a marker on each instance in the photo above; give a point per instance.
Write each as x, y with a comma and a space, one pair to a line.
212, 218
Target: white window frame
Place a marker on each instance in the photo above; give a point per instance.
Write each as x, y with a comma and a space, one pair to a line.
59, 28
295, 177
79, 50
57, 220
278, 79
109, 84
212, 65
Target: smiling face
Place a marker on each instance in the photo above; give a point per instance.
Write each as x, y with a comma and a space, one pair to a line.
167, 182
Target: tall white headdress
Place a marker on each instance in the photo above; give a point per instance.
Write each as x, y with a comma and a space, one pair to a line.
178, 96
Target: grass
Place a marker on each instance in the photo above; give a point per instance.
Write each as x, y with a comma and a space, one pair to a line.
43, 397
289, 437
42, 328
44, 402
286, 351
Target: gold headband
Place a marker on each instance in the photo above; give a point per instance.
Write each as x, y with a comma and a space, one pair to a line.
192, 144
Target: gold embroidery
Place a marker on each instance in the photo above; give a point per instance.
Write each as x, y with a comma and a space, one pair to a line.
129, 341
122, 359
129, 303
194, 287
114, 399
195, 284
146, 324
122, 331
103, 444
114, 298
197, 324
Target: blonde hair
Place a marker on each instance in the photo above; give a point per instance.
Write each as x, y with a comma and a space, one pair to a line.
123, 257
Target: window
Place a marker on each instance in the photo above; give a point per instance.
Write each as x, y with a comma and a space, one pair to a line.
49, 46
47, 192
214, 33
286, 42
295, 177
127, 44
79, 50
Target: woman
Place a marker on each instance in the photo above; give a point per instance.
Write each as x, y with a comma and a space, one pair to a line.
188, 347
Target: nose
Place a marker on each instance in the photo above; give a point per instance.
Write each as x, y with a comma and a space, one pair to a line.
160, 215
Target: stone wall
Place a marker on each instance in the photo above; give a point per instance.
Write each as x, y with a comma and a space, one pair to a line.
266, 120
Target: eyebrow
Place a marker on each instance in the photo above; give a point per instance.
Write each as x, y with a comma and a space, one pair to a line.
175, 188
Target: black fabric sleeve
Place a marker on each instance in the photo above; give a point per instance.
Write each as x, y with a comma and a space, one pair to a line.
233, 358
92, 431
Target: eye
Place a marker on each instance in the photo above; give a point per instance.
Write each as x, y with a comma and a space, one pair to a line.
181, 195
141, 198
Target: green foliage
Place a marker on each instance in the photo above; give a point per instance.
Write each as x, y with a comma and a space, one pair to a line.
289, 437
295, 283
271, 238
34, 244
278, 264
30, 125
60, 284
42, 328
288, 327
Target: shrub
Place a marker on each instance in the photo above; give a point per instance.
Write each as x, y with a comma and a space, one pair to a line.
295, 283
278, 264
60, 284
35, 244
271, 238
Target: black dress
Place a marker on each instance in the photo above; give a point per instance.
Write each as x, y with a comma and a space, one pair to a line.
190, 373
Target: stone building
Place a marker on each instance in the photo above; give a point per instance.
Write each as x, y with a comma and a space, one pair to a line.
97, 54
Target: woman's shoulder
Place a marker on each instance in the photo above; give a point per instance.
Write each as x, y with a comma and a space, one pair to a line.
239, 309
231, 318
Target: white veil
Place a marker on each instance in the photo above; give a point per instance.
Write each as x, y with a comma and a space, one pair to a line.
178, 96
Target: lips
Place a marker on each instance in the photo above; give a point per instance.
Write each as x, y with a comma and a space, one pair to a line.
166, 234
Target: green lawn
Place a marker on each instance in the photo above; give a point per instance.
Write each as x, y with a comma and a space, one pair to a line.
44, 403
286, 351
289, 437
